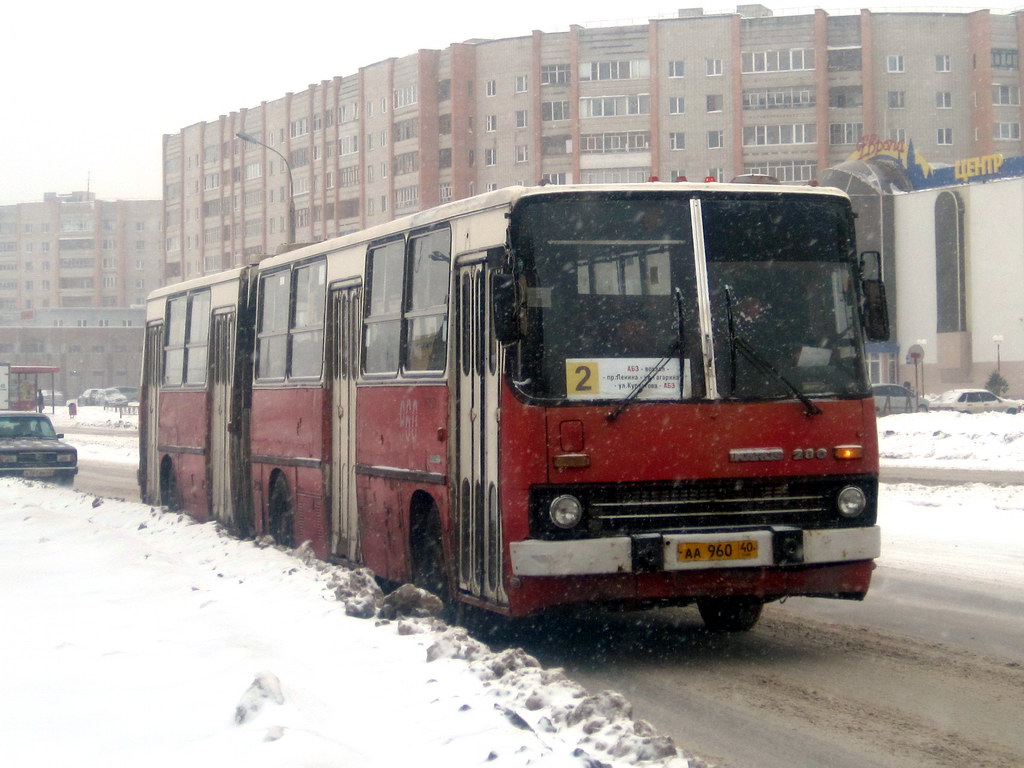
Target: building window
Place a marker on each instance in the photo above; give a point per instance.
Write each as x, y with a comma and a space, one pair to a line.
845, 97
1006, 131
1005, 58
716, 139
1006, 95
676, 69
943, 100
677, 141
942, 63
611, 106
554, 110
714, 102
554, 74
491, 88
713, 67
554, 178
768, 135
522, 153
522, 83
783, 170
778, 98
897, 134
403, 97
521, 118
785, 60
299, 127
944, 136
897, 100
894, 64
844, 60
845, 133
676, 105
615, 70
625, 141
490, 156
491, 123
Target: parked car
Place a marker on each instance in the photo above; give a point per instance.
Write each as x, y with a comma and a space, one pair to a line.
974, 401
93, 396
30, 448
130, 393
113, 396
892, 398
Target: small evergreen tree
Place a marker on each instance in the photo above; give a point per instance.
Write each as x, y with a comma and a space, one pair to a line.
996, 384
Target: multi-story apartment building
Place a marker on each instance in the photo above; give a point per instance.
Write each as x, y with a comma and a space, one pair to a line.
692, 96
74, 275
72, 251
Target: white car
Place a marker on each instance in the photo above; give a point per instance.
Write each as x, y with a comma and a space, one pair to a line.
974, 401
114, 396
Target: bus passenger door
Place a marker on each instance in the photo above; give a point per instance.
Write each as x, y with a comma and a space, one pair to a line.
149, 435
345, 318
223, 448
476, 509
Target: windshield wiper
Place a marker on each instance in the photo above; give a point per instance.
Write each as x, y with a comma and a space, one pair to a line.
676, 350
739, 344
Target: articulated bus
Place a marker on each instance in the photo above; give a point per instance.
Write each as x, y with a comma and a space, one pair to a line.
540, 397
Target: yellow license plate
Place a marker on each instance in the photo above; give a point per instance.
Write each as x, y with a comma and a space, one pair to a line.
713, 551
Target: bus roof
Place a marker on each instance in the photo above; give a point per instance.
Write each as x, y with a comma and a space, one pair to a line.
509, 196
505, 197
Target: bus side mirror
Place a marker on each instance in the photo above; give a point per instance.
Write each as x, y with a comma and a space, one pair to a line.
505, 308
876, 309
876, 313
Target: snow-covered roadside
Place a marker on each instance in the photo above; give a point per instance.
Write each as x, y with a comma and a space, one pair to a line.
141, 638
945, 440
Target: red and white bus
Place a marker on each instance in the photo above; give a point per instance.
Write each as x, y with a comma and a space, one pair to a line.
537, 397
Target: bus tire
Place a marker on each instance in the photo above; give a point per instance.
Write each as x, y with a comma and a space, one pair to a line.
427, 550
282, 516
169, 497
737, 613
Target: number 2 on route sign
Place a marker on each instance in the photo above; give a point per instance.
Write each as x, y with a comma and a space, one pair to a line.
582, 378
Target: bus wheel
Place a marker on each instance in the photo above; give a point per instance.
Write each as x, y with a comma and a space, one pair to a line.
169, 497
428, 571
730, 614
282, 518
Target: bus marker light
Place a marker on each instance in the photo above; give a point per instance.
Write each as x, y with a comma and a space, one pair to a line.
846, 452
572, 460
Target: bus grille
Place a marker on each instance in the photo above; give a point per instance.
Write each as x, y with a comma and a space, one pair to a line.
642, 508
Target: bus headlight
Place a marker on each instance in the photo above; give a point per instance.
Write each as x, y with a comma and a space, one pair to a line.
565, 511
851, 501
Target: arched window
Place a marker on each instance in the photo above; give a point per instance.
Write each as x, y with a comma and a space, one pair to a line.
950, 264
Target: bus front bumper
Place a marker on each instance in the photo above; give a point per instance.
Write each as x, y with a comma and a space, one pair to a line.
684, 551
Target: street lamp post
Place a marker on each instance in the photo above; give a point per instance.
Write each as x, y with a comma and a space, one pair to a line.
998, 339
291, 189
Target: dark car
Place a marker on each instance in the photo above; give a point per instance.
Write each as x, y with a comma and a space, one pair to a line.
30, 448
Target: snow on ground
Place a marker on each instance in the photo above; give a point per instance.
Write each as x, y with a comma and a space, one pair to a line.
947, 440
137, 637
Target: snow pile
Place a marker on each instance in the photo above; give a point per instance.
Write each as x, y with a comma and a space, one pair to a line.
93, 416
143, 638
993, 441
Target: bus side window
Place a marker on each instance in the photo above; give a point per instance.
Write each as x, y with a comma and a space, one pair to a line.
426, 307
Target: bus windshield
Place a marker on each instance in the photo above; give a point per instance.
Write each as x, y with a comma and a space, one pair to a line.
621, 302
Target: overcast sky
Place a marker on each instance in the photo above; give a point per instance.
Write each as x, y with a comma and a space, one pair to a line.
89, 88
